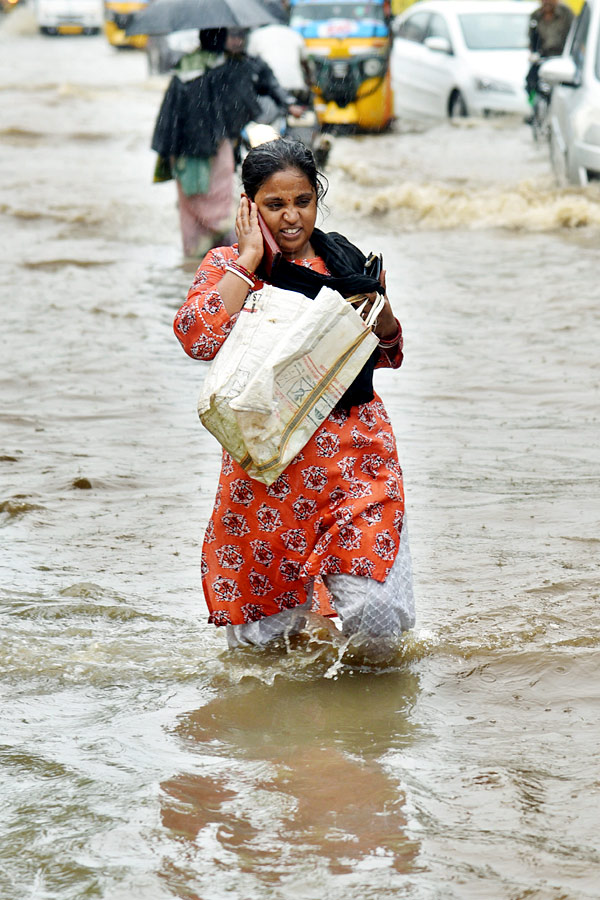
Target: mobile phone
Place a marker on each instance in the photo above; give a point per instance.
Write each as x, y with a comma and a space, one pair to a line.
272, 250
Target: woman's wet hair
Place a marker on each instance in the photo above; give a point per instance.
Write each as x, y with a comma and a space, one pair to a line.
277, 156
213, 39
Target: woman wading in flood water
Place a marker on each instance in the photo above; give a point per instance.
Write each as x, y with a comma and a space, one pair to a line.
329, 534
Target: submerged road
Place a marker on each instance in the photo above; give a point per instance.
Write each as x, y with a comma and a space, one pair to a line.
140, 759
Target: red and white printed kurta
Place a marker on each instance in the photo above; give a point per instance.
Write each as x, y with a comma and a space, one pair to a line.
337, 508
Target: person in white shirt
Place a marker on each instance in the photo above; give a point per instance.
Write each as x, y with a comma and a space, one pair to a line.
283, 49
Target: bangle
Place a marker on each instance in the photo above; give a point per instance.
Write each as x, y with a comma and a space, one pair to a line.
239, 274
238, 265
242, 270
387, 345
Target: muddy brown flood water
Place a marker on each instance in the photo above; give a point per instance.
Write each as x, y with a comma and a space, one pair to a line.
139, 758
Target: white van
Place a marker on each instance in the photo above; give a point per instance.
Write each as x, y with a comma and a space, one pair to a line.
69, 16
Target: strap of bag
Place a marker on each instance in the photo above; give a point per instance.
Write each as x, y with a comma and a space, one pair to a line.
378, 305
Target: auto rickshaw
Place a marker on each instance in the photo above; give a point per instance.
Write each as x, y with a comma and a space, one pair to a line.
348, 46
117, 15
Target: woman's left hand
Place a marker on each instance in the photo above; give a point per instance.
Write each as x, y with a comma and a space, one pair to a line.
386, 326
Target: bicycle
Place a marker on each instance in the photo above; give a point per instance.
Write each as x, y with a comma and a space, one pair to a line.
538, 93
540, 113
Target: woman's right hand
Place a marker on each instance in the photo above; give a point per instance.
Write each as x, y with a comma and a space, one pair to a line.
250, 239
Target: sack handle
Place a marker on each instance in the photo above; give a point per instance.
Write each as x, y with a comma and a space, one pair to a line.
373, 312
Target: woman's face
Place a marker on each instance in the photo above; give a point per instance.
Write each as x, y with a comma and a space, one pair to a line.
288, 203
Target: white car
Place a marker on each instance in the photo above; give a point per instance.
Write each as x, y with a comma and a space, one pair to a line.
461, 57
575, 102
69, 16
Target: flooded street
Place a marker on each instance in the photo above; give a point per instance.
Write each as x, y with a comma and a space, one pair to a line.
140, 759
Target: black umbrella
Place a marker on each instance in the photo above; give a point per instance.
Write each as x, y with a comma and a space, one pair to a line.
165, 16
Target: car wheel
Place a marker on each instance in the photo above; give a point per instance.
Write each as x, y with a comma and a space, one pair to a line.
457, 108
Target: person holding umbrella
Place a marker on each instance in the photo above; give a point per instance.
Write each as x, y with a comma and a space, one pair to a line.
205, 107
212, 96
210, 99
199, 157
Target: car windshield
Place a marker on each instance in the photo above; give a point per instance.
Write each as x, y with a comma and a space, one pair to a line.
495, 31
322, 12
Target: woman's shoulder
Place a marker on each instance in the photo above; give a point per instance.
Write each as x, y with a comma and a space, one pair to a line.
212, 267
228, 250
220, 256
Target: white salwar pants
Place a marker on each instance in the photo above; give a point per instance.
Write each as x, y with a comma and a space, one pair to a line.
372, 612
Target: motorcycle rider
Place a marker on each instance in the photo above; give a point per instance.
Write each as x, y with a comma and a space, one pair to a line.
284, 50
548, 29
265, 82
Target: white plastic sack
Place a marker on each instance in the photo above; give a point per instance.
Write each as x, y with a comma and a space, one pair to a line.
286, 363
